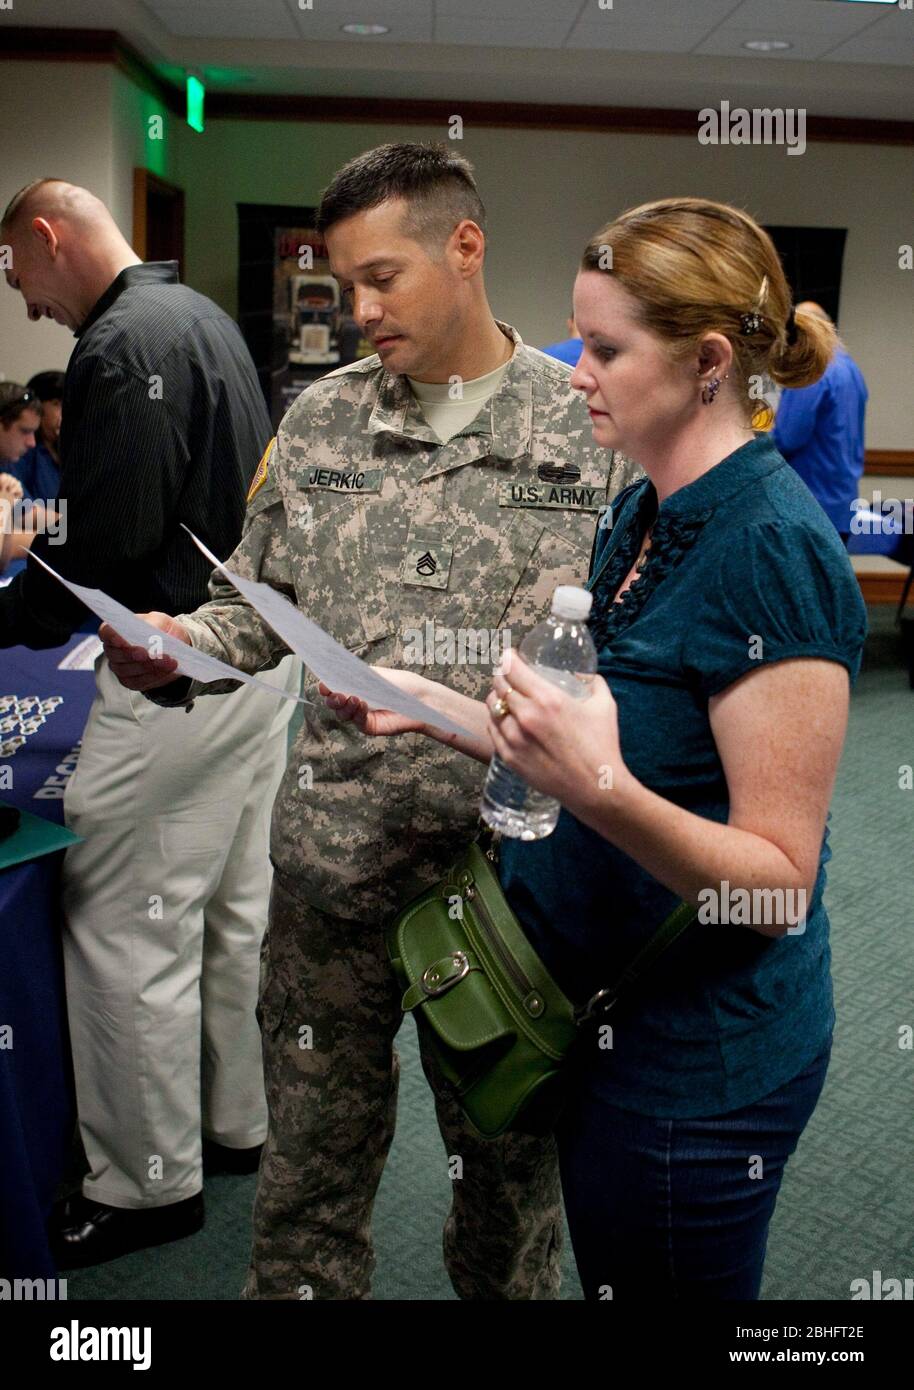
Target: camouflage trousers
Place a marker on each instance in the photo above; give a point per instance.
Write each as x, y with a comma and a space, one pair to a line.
332, 1098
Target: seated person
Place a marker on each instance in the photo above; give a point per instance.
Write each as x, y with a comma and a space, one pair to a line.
19, 419
38, 470
729, 627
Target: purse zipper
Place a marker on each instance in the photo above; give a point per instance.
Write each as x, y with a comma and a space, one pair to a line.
495, 941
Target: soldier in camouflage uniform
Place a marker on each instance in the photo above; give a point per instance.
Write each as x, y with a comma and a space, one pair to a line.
378, 530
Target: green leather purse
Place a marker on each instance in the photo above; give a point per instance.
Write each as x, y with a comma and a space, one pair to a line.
500, 1028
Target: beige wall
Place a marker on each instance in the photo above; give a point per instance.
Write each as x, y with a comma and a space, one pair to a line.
87, 123
56, 122
546, 191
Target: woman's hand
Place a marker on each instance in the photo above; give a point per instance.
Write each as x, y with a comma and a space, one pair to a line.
376, 722
564, 747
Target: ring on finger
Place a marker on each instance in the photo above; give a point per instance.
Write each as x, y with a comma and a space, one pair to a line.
500, 707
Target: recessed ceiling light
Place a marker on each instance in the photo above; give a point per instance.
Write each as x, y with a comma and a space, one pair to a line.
365, 28
767, 45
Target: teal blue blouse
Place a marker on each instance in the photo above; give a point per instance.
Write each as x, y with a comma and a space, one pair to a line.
744, 568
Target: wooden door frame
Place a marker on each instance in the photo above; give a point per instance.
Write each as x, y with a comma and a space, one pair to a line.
143, 183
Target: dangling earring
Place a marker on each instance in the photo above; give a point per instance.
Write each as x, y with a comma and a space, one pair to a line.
711, 388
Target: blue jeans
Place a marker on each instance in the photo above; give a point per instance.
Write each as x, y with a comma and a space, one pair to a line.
677, 1209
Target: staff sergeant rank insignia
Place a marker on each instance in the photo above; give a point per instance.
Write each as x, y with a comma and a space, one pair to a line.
427, 562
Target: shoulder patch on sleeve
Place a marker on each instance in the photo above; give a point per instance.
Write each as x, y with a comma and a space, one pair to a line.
260, 476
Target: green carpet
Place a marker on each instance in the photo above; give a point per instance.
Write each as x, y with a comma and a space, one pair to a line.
845, 1205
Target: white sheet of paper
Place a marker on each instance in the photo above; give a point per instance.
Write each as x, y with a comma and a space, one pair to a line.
338, 668
137, 632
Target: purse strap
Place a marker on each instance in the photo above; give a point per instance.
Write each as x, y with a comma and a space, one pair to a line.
599, 1004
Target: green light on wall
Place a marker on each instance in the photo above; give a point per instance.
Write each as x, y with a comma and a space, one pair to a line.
196, 93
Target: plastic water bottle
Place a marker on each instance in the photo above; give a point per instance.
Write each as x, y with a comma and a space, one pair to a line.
562, 651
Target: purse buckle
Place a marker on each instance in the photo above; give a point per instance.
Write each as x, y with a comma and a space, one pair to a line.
444, 974
598, 1004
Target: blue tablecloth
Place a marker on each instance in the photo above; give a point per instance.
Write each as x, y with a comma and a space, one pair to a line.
37, 1110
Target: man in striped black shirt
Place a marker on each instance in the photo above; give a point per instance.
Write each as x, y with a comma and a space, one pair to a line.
166, 899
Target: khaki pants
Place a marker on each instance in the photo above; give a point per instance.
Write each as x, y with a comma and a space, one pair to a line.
332, 1096
165, 906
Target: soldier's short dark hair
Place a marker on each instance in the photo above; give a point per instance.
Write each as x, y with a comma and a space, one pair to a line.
436, 183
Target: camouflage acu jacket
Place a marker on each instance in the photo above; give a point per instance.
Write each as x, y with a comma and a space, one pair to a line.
409, 552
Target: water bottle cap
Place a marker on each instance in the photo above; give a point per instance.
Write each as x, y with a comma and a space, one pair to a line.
570, 601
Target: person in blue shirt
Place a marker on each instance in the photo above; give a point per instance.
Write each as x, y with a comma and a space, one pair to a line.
729, 628
569, 349
19, 420
38, 469
819, 430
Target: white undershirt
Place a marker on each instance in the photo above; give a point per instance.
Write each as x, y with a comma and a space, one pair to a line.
448, 417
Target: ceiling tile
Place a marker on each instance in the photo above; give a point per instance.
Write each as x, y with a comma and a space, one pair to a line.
894, 24
498, 33
629, 38
337, 12
227, 20
658, 14
361, 11
272, 19
272, 7
804, 16
731, 41
873, 50
559, 11
403, 26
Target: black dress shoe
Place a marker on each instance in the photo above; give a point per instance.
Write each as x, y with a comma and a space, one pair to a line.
218, 1159
86, 1232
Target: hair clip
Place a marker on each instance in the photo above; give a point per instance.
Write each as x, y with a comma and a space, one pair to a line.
750, 323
